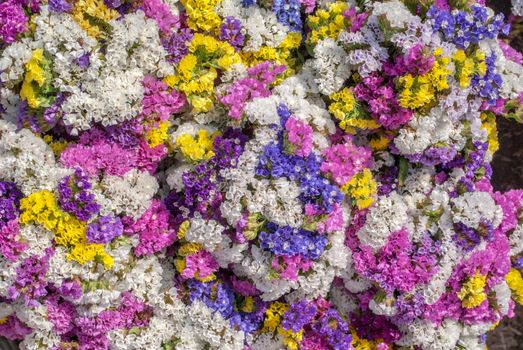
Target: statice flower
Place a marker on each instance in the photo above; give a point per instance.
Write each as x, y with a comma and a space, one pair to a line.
288, 241
255, 85
382, 101
230, 31
158, 101
12, 20
161, 13
465, 28
153, 229
399, 265
201, 264
104, 230
288, 13
75, 196
298, 315
345, 160
30, 283
10, 246
10, 197
177, 45
13, 328
59, 6
315, 188
488, 85
299, 135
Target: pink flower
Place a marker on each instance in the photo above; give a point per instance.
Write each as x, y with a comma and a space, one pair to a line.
247, 89
299, 135
161, 13
290, 266
308, 5
333, 222
200, 264
153, 230
245, 288
344, 161
10, 247
158, 102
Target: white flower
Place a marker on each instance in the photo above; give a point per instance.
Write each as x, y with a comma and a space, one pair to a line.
429, 130
471, 207
390, 214
206, 232
396, 13
27, 160
130, 194
329, 66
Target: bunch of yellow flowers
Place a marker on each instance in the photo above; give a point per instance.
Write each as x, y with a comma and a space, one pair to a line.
421, 91
327, 23
345, 109
198, 70
37, 81
472, 293
41, 208
362, 188
198, 148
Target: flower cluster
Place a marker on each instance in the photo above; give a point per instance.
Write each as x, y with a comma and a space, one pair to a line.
255, 175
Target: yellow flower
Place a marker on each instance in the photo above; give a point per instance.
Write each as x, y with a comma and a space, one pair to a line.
420, 91
57, 146
291, 339
183, 229
37, 74
92, 16
515, 283
489, 124
327, 23
248, 304
158, 136
379, 141
472, 293
345, 109
198, 70
196, 148
41, 208
467, 66
360, 343
362, 188
186, 67
179, 264
274, 316
189, 248
202, 15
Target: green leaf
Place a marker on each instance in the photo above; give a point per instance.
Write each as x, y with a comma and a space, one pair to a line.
403, 171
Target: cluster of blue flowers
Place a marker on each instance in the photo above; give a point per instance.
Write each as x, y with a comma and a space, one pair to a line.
464, 28
221, 298
291, 241
488, 85
315, 188
288, 13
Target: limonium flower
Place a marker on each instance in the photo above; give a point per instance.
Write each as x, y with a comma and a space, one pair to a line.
247, 174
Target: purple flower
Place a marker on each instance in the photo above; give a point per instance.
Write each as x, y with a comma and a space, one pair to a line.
289, 241
298, 315
230, 31
30, 280
10, 197
74, 196
177, 45
12, 20
59, 6
104, 230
